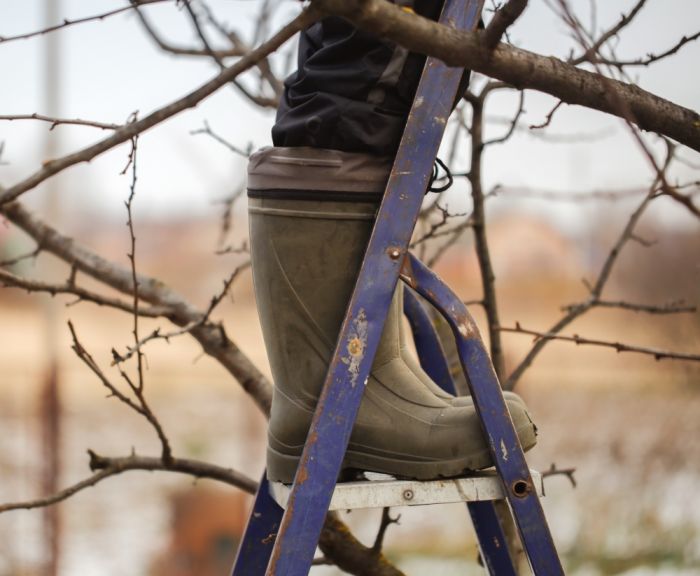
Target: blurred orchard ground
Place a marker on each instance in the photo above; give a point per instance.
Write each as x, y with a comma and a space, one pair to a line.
557, 202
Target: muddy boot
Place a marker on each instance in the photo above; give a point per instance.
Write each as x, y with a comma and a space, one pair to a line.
311, 214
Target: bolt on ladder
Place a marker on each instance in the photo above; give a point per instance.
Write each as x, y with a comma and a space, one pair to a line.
286, 521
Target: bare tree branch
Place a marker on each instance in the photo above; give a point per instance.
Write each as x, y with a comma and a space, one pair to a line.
67, 22
548, 118
435, 229
157, 334
520, 68
21, 258
454, 234
212, 337
349, 554
624, 111
573, 196
61, 121
134, 279
260, 100
574, 311
336, 540
385, 522
206, 129
227, 223
105, 467
625, 20
502, 20
618, 346
675, 307
649, 58
488, 277
125, 134
554, 471
141, 407
239, 48
513, 123
90, 362
13, 281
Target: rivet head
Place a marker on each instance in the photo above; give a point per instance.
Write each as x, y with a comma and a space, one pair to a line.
408, 494
394, 253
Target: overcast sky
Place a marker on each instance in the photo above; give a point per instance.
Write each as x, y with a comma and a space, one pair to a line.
110, 69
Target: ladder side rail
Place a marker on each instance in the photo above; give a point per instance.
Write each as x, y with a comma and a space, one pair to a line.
431, 354
359, 337
489, 531
493, 543
491, 407
258, 539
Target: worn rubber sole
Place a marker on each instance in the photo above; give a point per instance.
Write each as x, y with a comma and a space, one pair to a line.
282, 467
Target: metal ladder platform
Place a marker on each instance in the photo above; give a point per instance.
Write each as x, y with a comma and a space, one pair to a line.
384, 491
286, 521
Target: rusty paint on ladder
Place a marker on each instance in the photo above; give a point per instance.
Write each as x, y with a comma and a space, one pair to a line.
356, 346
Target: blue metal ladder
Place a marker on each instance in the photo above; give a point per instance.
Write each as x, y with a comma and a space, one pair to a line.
282, 541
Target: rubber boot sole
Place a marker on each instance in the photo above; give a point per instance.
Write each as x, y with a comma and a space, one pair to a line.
282, 467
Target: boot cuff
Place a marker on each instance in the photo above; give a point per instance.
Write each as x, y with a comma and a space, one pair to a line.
303, 168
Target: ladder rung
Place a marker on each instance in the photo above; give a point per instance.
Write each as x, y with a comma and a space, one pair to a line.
389, 492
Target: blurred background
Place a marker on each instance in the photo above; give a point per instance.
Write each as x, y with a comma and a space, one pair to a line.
627, 423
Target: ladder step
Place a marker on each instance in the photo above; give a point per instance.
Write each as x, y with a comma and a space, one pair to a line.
386, 491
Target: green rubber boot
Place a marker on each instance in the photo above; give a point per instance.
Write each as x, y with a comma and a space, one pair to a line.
307, 246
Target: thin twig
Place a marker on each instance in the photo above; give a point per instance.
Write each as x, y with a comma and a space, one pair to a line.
208, 131
573, 196
104, 467
132, 260
261, 31
90, 362
650, 58
141, 407
21, 258
212, 337
435, 228
179, 50
502, 20
60, 121
192, 99
595, 289
67, 22
520, 68
10, 280
454, 235
227, 218
547, 118
513, 122
385, 522
157, 334
488, 277
624, 111
554, 471
625, 20
259, 99
618, 346
241, 248
675, 307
